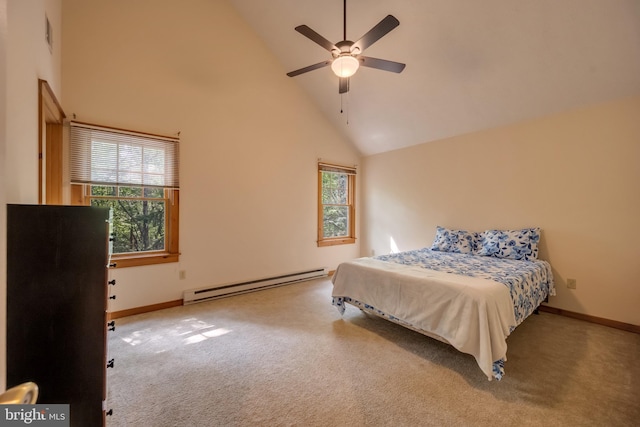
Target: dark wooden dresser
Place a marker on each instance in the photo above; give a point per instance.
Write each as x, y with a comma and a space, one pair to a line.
56, 305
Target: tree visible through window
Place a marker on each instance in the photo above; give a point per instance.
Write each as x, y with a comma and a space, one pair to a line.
336, 208
139, 216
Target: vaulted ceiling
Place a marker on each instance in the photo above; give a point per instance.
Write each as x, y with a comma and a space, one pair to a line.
471, 65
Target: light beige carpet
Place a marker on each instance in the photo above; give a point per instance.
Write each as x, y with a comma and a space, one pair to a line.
285, 357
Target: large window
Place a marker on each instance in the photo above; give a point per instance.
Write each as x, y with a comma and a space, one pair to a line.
136, 175
336, 204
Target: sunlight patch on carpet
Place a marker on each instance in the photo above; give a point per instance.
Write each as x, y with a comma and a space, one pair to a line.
191, 330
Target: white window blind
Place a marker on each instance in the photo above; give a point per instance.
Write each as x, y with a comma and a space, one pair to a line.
107, 156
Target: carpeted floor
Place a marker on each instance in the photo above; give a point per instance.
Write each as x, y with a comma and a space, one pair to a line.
285, 357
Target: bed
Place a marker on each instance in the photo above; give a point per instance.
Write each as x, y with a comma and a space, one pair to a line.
469, 289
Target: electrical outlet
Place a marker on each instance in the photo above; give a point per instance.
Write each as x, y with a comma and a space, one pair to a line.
182, 274
571, 283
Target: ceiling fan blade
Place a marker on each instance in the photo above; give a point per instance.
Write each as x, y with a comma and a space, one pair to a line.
309, 68
315, 37
376, 33
381, 64
344, 85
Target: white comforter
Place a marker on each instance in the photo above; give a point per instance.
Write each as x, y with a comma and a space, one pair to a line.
475, 315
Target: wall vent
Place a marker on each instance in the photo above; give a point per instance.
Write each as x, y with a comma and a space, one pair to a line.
213, 292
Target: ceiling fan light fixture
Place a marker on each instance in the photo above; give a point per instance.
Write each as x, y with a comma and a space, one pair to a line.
345, 65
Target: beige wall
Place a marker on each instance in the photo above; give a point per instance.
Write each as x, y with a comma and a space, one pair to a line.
24, 58
28, 59
250, 138
575, 174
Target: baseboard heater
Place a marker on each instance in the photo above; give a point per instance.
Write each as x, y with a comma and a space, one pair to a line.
206, 294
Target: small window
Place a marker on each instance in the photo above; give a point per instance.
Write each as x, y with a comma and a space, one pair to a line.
336, 204
136, 175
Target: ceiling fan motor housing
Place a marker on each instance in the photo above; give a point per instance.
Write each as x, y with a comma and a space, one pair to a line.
344, 47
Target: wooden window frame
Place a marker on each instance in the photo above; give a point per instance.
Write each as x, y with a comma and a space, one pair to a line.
351, 198
81, 195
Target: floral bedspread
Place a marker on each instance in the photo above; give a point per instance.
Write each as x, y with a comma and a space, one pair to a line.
529, 282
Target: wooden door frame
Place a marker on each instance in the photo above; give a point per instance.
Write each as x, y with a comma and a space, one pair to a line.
50, 146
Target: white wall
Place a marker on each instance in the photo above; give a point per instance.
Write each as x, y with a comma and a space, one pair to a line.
574, 174
24, 58
250, 139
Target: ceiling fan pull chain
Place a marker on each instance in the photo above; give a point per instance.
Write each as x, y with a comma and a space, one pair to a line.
344, 105
347, 95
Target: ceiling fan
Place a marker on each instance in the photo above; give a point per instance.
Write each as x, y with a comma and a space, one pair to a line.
347, 55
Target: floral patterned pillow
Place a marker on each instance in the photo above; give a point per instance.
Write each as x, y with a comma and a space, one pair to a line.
512, 244
457, 241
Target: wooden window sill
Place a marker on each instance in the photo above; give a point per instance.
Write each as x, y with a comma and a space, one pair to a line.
123, 261
333, 242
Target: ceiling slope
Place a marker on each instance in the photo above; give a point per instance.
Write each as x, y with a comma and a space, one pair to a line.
471, 65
